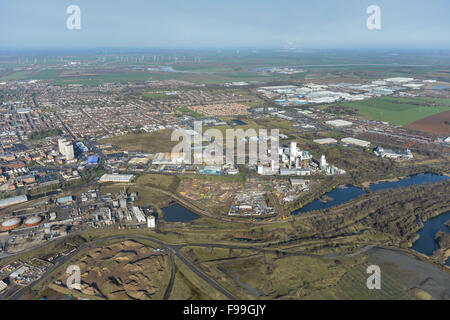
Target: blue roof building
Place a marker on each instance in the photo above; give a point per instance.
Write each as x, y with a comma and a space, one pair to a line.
64, 200
92, 160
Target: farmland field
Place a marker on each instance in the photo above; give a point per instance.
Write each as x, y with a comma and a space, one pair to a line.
402, 111
436, 124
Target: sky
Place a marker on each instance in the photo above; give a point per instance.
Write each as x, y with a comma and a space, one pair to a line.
225, 23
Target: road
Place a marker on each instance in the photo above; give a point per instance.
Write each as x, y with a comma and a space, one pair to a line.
172, 279
174, 249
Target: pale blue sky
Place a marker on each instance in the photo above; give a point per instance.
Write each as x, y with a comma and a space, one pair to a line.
41, 24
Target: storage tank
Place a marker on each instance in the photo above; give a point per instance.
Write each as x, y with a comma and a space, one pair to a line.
32, 221
10, 224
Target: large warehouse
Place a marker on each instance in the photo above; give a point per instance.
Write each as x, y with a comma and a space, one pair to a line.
339, 123
325, 141
356, 142
116, 178
14, 200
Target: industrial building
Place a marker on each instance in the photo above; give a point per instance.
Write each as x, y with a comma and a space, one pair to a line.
13, 200
214, 170
140, 217
92, 160
139, 161
356, 142
399, 80
19, 272
339, 123
297, 182
294, 161
393, 154
151, 222
116, 178
170, 158
325, 141
64, 200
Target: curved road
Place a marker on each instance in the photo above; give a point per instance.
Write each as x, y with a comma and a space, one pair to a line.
173, 248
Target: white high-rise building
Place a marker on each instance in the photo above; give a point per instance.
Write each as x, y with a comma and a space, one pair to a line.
151, 222
323, 162
293, 149
66, 149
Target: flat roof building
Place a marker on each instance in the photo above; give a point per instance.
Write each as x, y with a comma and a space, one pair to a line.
357, 142
92, 160
13, 200
140, 217
339, 123
63, 200
19, 272
325, 141
116, 178
297, 182
393, 154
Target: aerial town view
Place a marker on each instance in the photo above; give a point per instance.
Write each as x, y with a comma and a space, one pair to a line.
232, 155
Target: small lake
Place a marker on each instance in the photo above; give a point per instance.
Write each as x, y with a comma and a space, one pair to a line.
426, 243
178, 213
238, 122
409, 181
341, 195
336, 197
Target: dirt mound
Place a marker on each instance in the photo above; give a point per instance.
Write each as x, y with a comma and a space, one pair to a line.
126, 270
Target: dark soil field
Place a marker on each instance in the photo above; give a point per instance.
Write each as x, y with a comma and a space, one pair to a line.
436, 124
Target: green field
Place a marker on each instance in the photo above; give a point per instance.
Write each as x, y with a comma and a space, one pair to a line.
353, 286
189, 112
159, 141
402, 111
21, 75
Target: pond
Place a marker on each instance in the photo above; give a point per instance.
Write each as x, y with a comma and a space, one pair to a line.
337, 197
178, 213
427, 243
409, 181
